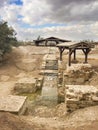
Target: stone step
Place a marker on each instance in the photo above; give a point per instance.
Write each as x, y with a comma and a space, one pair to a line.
49, 72
51, 68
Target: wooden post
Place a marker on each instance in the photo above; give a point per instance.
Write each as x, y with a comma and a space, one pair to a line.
69, 62
61, 49
57, 42
46, 43
36, 43
60, 55
75, 55
86, 51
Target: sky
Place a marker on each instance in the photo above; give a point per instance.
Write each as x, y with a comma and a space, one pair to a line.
68, 19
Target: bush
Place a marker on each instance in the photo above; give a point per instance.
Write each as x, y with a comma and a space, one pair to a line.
7, 38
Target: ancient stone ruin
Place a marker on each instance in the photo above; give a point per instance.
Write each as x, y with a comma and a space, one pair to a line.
80, 96
73, 88
28, 85
13, 104
78, 74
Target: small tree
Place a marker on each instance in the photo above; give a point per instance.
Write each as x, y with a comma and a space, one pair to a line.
7, 38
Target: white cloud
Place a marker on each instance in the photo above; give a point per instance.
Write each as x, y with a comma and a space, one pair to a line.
70, 32
35, 12
3, 2
79, 16
10, 13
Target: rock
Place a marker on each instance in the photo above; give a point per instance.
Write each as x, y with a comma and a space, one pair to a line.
70, 95
95, 99
61, 110
39, 82
61, 94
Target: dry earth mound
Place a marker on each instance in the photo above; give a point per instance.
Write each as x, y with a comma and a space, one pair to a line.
12, 122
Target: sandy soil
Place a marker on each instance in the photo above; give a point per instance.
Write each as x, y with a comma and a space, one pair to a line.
26, 61
79, 120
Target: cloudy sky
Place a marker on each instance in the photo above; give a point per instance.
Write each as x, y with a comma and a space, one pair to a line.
69, 19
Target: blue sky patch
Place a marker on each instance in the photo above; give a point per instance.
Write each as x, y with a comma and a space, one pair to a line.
17, 2
48, 25
25, 25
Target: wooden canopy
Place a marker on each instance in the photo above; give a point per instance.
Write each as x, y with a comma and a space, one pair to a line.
72, 47
52, 39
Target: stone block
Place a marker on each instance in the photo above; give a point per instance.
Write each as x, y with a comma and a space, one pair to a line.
95, 99
25, 85
72, 101
80, 80
13, 104
70, 95
61, 94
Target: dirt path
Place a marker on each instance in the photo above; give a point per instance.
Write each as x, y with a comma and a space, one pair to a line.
6, 88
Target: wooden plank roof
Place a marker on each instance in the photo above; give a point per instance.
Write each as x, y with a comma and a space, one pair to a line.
67, 44
52, 39
76, 45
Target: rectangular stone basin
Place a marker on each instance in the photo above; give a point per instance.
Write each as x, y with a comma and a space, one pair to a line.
13, 104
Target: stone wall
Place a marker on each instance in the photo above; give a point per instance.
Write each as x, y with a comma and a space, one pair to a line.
80, 96
78, 74
73, 88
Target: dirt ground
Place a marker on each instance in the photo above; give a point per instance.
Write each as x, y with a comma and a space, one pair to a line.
22, 60
25, 61
79, 120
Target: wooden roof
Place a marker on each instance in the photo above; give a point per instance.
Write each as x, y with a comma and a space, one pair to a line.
52, 39
77, 45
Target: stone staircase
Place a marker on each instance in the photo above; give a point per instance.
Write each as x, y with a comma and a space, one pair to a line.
49, 70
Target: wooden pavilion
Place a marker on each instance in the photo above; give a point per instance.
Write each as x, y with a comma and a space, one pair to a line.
50, 39
72, 47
